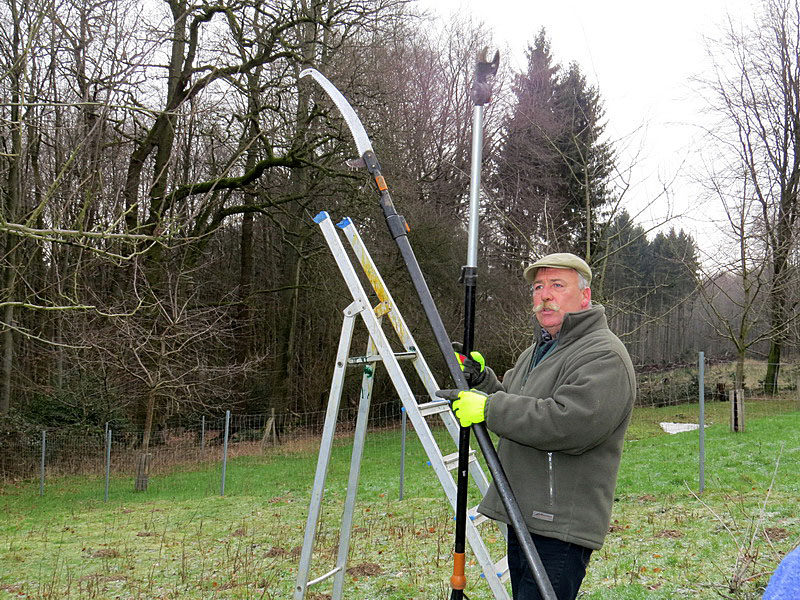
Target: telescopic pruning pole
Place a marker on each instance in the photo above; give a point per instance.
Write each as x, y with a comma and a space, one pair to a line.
481, 95
399, 231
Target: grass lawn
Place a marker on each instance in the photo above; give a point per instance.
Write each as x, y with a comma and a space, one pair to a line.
181, 539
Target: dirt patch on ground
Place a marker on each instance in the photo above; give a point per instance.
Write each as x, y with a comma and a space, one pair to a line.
775, 534
104, 553
276, 551
669, 533
365, 570
11, 589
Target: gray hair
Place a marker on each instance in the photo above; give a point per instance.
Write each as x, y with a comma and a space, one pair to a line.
583, 284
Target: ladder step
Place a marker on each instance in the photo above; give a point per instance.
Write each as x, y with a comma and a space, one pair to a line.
451, 460
373, 358
501, 569
323, 577
433, 408
476, 517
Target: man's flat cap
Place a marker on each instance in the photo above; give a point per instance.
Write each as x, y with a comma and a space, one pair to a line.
559, 260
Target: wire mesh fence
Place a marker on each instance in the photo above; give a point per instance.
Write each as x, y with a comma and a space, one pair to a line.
213, 440
209, 440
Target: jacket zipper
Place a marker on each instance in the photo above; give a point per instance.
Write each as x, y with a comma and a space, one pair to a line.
551, 477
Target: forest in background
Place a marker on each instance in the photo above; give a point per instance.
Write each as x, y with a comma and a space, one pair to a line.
160, 167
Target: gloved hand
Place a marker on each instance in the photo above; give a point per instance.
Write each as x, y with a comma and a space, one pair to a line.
473, 365
468, 405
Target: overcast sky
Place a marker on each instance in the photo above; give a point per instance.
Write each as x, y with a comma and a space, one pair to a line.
642, 57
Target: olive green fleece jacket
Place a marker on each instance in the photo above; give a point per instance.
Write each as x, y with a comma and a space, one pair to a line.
561, 426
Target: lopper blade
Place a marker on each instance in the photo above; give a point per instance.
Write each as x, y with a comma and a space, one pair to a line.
351, 118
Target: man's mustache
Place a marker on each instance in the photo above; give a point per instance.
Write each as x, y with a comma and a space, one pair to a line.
537, 308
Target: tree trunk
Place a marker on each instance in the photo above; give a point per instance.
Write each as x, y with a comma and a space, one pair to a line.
10, 213
143, 464
244, 338
739, 374
773, 366
290, 297
778, 302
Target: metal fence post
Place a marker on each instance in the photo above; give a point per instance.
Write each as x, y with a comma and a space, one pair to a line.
202, 434
797, 391
225, 450
108, 461
701, 381
402, 448
41, 468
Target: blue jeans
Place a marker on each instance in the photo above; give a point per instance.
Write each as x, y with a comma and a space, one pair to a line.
564, 563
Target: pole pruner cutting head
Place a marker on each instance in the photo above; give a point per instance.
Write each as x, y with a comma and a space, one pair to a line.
484, 68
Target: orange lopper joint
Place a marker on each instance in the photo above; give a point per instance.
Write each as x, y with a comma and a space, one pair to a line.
458, 581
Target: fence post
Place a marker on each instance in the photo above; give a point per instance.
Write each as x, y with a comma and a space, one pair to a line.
701, 380
402, 448
41, 467
797, 391
108, 461
225, 450
269, 431
737, 411
202, 434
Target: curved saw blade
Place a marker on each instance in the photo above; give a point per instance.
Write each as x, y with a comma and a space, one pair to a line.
351, 118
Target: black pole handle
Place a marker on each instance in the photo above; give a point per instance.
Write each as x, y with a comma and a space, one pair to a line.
399, 231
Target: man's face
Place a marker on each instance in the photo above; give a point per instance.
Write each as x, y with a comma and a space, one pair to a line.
556, 293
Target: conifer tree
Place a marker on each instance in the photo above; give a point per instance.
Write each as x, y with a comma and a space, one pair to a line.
553, 171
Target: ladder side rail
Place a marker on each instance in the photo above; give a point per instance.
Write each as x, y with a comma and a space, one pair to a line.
326, 446
475, 469
365, 399
404, 333
432, 450
389, 360
426, 375
494, 578
406, 395
396, 319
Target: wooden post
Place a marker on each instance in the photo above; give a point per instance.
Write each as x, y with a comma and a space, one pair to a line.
797, 392
270, 433
737, 411
142, 472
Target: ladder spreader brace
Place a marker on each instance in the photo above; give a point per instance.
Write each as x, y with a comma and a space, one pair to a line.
379, 350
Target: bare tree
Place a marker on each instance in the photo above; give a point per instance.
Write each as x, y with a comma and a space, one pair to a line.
176, 355
735, 290
756, 94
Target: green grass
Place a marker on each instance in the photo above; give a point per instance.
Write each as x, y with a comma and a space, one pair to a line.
180, 539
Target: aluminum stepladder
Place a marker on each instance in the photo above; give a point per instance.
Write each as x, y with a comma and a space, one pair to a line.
379, 350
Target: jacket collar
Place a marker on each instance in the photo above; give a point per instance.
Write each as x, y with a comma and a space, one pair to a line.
578, 324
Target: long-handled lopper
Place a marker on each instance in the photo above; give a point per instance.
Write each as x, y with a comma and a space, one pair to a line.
481, 95
398, 228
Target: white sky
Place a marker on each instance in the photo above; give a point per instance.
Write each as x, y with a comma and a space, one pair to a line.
641, 55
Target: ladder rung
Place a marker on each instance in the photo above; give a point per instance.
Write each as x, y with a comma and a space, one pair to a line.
476, 517
323, 577
372, 358
501, 569
433, 408
451, 460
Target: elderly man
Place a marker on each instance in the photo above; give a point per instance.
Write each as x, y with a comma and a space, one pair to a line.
561, 415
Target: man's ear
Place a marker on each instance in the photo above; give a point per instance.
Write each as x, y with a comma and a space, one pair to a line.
587, 297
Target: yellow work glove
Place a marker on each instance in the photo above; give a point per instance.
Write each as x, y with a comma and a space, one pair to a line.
468, 405
473, 365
